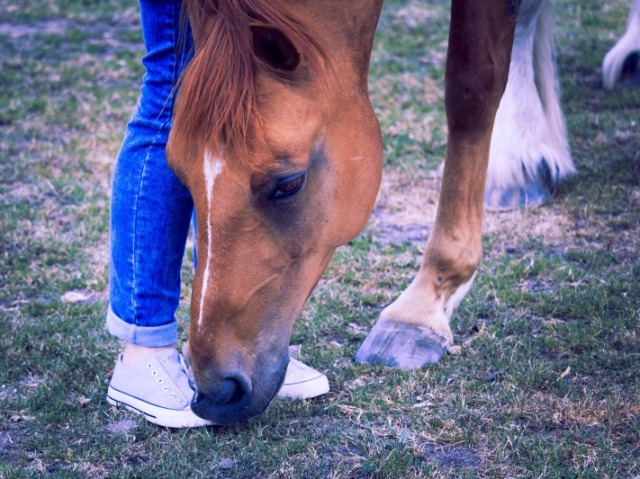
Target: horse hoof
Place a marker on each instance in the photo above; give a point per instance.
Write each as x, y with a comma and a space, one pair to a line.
536, 191
401, 345
630, 75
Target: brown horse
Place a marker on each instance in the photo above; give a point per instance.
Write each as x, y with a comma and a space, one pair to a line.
276, 139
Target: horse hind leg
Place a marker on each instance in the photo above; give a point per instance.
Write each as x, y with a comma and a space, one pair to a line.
621, 65
414, 330
529, 147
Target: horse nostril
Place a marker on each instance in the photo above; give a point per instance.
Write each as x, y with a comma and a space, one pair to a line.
224, 400
232, 389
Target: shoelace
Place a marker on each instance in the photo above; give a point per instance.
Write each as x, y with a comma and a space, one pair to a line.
166, 388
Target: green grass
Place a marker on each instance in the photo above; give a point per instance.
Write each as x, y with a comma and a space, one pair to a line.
545, 383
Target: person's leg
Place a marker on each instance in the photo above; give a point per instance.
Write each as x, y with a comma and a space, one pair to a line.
150, 209
150, 216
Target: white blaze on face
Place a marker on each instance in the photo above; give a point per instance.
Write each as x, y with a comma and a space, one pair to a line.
212, 168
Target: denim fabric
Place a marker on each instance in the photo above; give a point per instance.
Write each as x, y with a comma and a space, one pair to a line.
150, 208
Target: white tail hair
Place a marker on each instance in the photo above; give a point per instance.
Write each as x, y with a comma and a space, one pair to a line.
546, 80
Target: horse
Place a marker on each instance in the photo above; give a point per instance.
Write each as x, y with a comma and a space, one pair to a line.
276, 139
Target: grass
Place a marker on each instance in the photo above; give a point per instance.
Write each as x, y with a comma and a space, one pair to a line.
545, 382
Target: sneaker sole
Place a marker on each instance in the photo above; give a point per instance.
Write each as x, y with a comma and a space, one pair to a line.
305, 390
155, 414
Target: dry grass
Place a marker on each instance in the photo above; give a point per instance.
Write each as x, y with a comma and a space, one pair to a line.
544, 382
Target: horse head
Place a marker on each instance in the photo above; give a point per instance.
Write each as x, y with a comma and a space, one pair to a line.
277, 142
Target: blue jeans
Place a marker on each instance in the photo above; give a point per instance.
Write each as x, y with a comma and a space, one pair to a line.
150, 208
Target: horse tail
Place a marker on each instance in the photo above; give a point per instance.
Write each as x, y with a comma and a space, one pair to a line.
546, 80
216, 108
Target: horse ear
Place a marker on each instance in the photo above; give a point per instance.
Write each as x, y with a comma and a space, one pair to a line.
274, 48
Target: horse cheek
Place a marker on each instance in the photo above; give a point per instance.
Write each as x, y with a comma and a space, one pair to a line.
359, 175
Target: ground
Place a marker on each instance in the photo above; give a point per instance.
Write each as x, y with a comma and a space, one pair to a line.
544, 380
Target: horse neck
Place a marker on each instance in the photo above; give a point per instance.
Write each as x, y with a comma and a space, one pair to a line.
345, 29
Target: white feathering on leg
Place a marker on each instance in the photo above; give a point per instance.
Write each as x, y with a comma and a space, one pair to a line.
529, 124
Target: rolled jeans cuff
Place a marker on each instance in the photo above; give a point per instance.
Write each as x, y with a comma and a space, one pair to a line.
147, 336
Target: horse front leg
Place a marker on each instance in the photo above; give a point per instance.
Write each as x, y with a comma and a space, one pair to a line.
414, 330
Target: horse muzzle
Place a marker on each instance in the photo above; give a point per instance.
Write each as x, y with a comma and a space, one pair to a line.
233, 395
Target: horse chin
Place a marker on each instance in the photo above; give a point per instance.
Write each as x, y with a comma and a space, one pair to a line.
237, 397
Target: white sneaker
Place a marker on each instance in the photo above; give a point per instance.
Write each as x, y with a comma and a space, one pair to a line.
302, 382
156, 387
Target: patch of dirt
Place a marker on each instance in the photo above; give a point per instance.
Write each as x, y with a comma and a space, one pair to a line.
45, 27
450, 456
406, 209
8, 393
57, 466
10, 445
21, 390
415, 14
101, 32
123, 427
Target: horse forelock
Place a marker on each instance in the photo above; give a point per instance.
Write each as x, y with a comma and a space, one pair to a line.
217, 101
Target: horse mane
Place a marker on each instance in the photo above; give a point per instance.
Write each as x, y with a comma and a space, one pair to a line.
216, 106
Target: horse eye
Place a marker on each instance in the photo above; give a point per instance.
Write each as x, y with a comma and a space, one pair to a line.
288, 187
